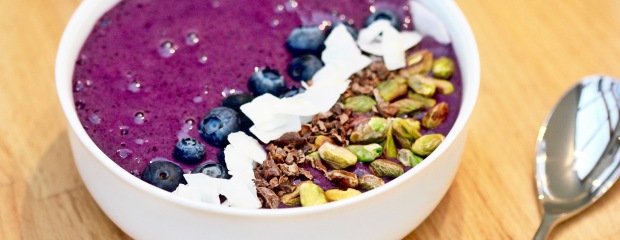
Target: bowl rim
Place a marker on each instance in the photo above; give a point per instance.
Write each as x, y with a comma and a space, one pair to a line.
64, 67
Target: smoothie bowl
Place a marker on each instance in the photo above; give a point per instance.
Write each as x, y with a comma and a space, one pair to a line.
349, 117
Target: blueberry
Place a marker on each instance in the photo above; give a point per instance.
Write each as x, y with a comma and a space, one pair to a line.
163, 174
235, 101
266, 80
292, 92
245, 124
350, 28
304, 67
189, 151
217, 125
306, 40
212, 169
386, 15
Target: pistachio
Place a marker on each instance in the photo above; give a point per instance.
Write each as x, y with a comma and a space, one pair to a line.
445, 86
419, 62
426, 144
407, 158
292, 198
428, 102
318, 142
389, 147
370, 182
416, 160
392, 89
337, 194
311, 194
386, 168
366, 153
378, 124
360, 103
407, 105
422, 85
337, 157
406, 128
435, 116
342, 178
443, 67
371, 130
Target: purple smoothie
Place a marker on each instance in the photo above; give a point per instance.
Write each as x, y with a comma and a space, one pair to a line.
151, 70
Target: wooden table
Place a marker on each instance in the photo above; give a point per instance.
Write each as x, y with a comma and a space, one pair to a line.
531, 52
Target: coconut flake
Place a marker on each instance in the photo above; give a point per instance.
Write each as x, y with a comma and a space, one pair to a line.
251, 147
293, 125
381, 39
427, 23
410, 39
393, 54
239, 164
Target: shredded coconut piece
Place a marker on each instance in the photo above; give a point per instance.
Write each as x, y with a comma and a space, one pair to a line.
427, 23
239, 191
382, 39
393, 54
251, 147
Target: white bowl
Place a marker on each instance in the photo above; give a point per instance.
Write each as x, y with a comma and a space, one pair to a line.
146, 212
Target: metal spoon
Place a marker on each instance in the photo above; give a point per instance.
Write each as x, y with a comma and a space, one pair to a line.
577, 157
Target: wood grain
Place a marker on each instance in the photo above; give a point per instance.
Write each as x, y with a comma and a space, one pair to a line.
531, 52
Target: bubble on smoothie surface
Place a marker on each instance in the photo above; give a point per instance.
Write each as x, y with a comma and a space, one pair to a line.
134, 86
78, 86
138, 118
79, 104
124, 153
167, 49
124, 130
191, 39
203, 59
94, 119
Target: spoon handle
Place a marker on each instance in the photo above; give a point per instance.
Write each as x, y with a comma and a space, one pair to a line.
548, 223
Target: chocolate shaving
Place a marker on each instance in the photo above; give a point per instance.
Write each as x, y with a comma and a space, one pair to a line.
271, 199
289, 170
306, 174
290, 139
259, 182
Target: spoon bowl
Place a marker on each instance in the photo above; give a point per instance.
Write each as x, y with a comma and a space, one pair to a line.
577, 157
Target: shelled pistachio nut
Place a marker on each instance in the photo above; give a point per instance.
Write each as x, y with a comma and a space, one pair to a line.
407, 105
337, 194
443, 67
370, 182
360, 103
426, 144
342, 178
419, 62
435, 116
318, 142
389, 146
311, 194
445, 86
422, 85
408, 128
386, 168
292, 198
428, 102
372, 130
366, 153
337, 157
392, 89
408, 158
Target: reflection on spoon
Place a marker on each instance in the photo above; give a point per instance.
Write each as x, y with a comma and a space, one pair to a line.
577, 158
